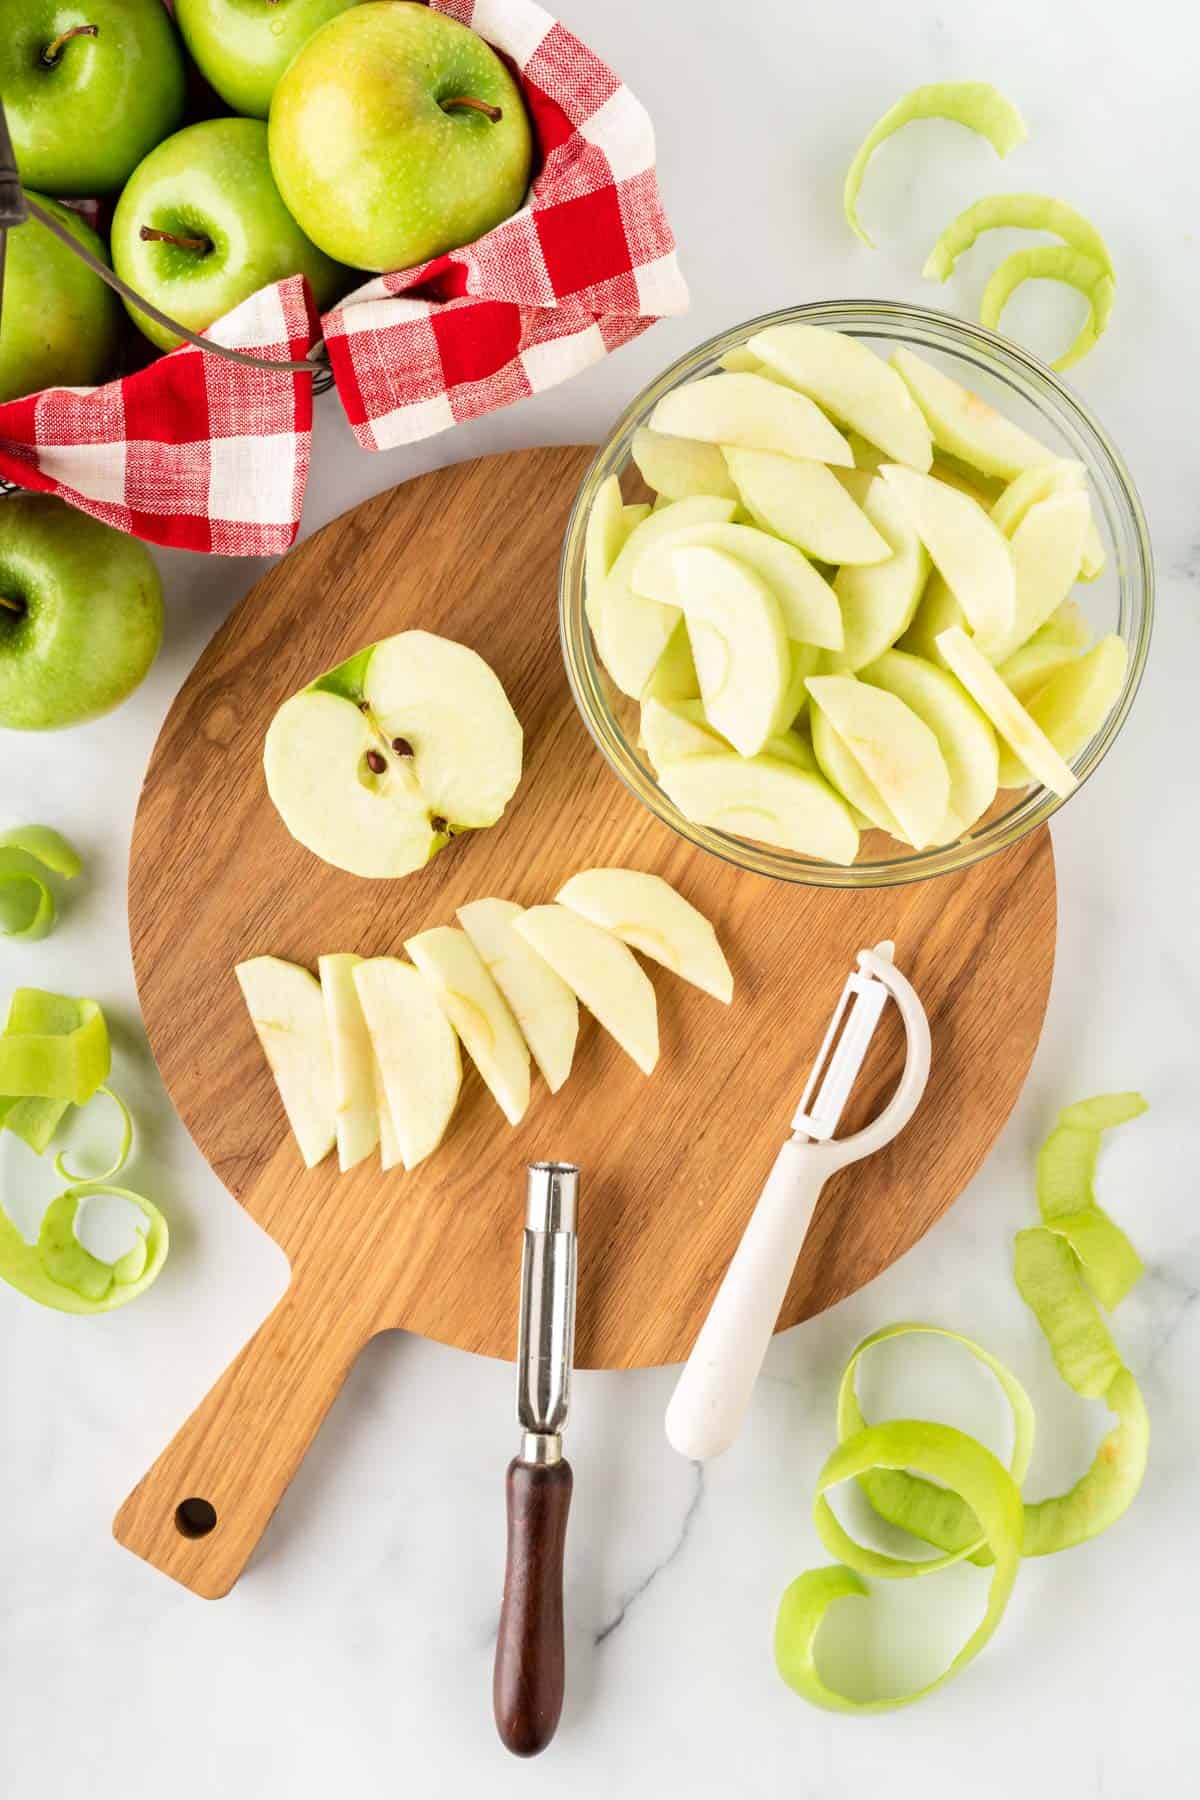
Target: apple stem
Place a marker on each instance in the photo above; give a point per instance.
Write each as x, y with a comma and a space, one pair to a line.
489, 112
14, 606
52, 52
149, 234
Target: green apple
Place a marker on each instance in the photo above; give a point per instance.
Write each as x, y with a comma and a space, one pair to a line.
542, 1004
416, 1054
479, 1013
646, 913
397, 134
242, 47
381, 761
89, 89
749, 412
288, 1014
81, 614
602, 971
200, 227
60, 323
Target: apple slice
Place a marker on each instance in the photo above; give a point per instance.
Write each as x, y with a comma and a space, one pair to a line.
1018, 730
898, 752
479, 1013
672, 731
632, 633
809, 605
439, 705
316, 762
848, 777
542, 1003
604, 974
805, 503
1060, 475
1057, 643
967, 548
605, 532
353, 1061
1046, 549
288, 1014
646, 913
740, 361
936, 612
738, 642
763, 798
850, 383
878, 600
679, 467
674, 676
389, 1141
1072, 706
752, 413
966, 426
964, 734
944, 470
416, 1053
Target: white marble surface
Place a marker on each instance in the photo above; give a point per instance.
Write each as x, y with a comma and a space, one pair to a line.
355, 1655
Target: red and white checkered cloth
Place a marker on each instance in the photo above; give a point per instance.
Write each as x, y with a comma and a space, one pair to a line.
199, 453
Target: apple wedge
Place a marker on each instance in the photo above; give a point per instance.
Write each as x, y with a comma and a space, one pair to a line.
878, 600
674, 676
1058, 642
805, 503
965, 425
288, 1014
964, 734
1060, 475
1046, 549
679, 467
671, 731
850, 383
632, 633
1072, 706
605, 532
898, 752
646, 913
738, 643
389, 1141
479, 1013
966, 547
848, 777
764, 798
752, 413
807, 602
353, 1061
741, 361
416, 1053
542, 1004
1023, 735
603, 972
936, 612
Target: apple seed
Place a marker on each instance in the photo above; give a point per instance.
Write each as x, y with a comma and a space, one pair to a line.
52, 54
375, 762
402, 747
438, 824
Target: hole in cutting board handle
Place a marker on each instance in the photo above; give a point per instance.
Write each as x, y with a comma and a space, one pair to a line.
195, 1518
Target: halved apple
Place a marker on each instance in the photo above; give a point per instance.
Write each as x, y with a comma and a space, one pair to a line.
1060, 475
646, 913
1072, 706
738, 642
967, 548
288, 1015
1016, 727
632, 633
416, 1052
898, 752
765, 798
964, 424
602, 972
353, 1060
479, 1013
674, 676
964, 734
805, 503
878, 600
542, 1004
850, 383
753, 413
847, 776
679, 467
806, 600
1046, 549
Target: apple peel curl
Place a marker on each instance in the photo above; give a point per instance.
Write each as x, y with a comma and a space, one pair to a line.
971, 1508
1054, 262
1021, 212
27, 854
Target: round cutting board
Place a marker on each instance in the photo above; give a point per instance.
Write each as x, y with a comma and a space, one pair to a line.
671, 1165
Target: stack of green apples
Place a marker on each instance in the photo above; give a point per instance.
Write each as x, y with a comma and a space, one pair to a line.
366, 137
850, 607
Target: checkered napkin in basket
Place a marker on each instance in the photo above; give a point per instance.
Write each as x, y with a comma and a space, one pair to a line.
586, 265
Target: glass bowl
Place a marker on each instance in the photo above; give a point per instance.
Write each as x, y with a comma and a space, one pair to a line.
1029, 393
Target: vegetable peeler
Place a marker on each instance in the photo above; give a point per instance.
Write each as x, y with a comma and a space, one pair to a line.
710, 1399
528, 1678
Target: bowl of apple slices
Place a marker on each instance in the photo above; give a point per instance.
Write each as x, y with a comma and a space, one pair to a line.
856, 593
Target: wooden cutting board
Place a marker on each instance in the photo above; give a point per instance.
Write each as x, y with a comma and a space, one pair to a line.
671, 1165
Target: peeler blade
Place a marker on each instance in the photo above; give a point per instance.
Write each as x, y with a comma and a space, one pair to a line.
843, 1052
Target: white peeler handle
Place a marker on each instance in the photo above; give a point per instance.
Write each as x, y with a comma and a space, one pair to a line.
710, 1400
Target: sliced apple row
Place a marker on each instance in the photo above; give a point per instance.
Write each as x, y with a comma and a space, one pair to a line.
849, 605
370, 1054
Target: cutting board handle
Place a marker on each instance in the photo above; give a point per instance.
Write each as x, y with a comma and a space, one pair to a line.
200, 1510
